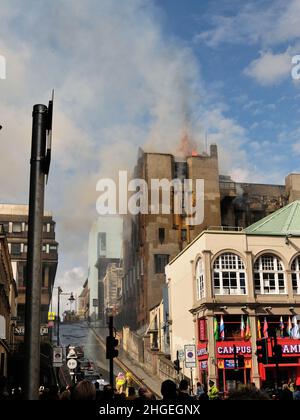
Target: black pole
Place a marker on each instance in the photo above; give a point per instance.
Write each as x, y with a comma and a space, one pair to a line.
276, 365
34, 256
111, 360
58, 318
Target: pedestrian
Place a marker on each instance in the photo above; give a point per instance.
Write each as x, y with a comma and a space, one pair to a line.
131, 394
183, 392
120, 383
247, 393
65, 395
291, 385
84, 391
213, 392
129, 380
199, 389
285, 394
296, 394
168, 390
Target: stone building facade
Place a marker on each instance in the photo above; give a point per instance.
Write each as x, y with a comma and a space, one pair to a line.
8, 296
14, 219
152, 240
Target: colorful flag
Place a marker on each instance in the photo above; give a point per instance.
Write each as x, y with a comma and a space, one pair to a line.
242, 327
248, 330
281, 327
295, 329
222, 328
289, 327
265, 330
216, 329
258, 329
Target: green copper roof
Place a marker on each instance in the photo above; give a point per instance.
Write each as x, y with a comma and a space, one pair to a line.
285, 221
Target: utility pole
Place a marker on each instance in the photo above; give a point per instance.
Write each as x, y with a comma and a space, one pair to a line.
40, 162
59, 292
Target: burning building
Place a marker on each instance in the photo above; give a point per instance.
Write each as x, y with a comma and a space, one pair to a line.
152, 240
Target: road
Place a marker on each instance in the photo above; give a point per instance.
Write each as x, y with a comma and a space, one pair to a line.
80, 334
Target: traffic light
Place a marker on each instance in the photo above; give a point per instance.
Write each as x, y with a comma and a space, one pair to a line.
241, 361
111, 351
262, 351
177, 365
277, 353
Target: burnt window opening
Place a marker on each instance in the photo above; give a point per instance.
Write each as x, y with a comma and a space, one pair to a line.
161, 235
160, 260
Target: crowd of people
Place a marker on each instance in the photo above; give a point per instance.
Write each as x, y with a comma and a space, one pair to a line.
170, 391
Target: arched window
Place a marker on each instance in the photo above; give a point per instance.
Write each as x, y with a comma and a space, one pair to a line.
229, 275
269, 275
200, 280
296, 275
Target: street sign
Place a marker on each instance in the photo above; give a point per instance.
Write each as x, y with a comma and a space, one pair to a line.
190, 356
71, 353
181, 355
51, 316
57, 356
72, 364
20, 330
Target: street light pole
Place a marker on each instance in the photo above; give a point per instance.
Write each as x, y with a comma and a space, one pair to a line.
41, 123
59, 291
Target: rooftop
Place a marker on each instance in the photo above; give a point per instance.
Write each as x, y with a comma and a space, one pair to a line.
283, 222
18, 210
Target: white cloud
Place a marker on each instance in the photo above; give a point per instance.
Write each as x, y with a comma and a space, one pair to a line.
270, 68
296, 148
268, 23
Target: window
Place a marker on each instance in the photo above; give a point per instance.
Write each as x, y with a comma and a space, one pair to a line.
161, 235
296, 275
101, 244
53, 249
200, 280
5, 227
17, 227
269, 275
15, 249
229, 275
183, 235
161, 260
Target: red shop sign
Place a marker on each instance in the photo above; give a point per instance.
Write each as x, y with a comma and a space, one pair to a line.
290, 347
202, 351
226, 349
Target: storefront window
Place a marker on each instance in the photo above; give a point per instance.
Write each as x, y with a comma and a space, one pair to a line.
229, 275
269, 275
200, 280
296, 275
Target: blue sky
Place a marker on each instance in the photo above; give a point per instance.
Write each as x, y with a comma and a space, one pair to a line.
139, 73
227, 45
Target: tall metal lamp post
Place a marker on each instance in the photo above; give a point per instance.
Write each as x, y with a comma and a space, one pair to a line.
71, 299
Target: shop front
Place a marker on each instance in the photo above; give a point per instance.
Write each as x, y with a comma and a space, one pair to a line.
288, 369
233, 362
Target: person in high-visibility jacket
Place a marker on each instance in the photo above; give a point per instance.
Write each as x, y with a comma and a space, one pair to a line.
213, 392
120, 382
129, 380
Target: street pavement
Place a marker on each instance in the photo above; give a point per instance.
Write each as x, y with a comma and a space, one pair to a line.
92, 339
80, 334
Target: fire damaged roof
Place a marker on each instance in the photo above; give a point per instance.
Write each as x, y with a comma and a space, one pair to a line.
283, 222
